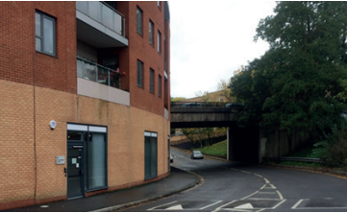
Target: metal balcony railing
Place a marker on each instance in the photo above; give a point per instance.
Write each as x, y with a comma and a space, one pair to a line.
94, 72
103, 14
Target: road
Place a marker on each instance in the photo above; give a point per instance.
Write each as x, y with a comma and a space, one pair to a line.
230, 186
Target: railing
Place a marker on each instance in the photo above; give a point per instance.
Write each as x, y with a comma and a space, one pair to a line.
92, 71
103, 14
185, 104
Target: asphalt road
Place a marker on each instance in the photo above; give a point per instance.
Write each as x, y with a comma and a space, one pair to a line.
234, 187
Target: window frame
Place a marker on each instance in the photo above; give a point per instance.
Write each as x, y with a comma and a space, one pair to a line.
159, 5
44, 16
152, 81
152, 139
139, 22
159, 85
151, 33
159, 38
140, 74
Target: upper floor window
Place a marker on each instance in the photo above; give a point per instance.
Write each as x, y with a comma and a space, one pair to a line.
140, 73
139, 21
159, 4
152, 74
151, 32
159, 85
159, 42
45, 30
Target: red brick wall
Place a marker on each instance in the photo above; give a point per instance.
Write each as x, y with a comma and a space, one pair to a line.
19, 62
140, 48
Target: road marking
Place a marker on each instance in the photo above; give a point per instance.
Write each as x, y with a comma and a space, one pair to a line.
260, 210
245, 206
266, 199
175, 207
280, 195
277, 205
249, 195
245, 172
298, 203
267, 181
267, 193
258, 175
211, 205
162, 205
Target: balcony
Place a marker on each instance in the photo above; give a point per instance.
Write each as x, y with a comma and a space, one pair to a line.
100, 82
97, 73
100, 25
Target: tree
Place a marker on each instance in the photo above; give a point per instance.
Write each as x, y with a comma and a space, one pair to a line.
205, 96
299, 84
174, 99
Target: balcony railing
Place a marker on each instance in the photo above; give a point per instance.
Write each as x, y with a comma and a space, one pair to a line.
103, 14
94, 72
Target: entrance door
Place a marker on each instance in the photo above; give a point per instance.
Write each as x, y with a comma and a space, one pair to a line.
75, 170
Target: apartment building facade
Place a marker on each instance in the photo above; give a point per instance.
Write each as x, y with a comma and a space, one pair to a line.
84, 98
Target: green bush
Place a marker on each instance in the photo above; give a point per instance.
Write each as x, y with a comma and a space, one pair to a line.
333, 149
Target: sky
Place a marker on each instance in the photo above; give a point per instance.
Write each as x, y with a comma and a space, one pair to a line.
211, 39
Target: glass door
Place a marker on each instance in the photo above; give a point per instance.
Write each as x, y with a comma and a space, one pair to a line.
75, 172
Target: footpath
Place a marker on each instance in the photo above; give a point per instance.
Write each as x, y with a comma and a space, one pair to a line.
177, 181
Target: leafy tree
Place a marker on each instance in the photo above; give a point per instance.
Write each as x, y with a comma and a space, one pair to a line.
300, 83
205, 96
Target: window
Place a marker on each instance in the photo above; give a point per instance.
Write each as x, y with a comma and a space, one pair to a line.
151, 32
152, 73
96, 161
150, 154
159, 42
139, 21
45, 30
140, 74
159, 85
159, 4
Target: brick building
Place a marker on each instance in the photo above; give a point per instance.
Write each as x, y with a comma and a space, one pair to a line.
84, 98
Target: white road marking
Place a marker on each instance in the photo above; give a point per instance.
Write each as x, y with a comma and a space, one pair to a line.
162, 205
280, 195
217, 209
249, 195
266, 199
260, 210
258, 175
175, 207
277, 205
245, 172
266, 192
211, 205
298, 203
245, 206
267, 181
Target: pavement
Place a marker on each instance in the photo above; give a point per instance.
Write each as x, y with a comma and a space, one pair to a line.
178, 180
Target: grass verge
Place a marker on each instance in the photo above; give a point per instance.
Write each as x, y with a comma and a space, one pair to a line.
218, 149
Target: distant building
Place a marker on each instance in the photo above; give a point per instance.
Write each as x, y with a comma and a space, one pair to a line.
84, 98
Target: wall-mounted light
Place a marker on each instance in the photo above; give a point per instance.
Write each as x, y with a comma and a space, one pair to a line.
53, 124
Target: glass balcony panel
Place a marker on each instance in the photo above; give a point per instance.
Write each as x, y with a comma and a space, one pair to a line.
102, 75
94, 10
79, 66
82, 6
102, 14
89, 72
118, 23
107, 17
115, 80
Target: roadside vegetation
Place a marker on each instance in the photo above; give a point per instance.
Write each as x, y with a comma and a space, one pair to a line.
217, 149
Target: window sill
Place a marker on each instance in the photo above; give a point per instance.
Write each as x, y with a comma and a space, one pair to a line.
96, 189
55, 56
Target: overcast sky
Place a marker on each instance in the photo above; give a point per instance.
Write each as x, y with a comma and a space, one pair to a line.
210, 40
